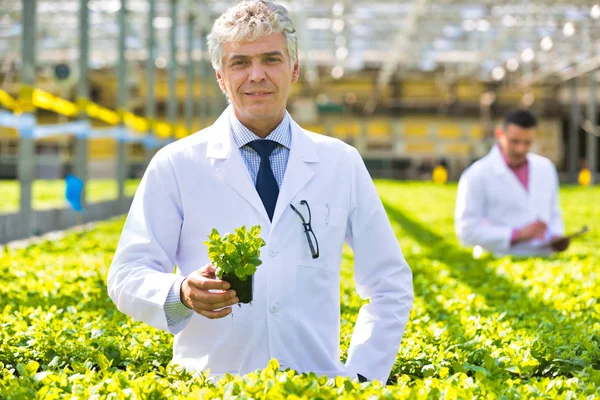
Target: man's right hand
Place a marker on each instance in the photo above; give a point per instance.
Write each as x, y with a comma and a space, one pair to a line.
535, 230
195, 293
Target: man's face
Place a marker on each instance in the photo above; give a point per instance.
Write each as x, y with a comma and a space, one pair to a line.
257, 78
515, 143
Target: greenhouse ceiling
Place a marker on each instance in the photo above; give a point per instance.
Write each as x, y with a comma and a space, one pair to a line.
534, 41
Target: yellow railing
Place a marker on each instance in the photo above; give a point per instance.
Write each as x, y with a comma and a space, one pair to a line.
32, 98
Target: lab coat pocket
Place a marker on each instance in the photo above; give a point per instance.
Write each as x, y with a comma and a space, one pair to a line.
329, 227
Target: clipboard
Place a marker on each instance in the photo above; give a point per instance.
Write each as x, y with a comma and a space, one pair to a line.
580, 232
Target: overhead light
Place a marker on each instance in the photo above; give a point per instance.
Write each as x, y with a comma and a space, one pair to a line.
527, 55
569, 29
546, 43
498, 73
509, 21
161, 22
483, 25
512, 64
108, 6
337, 9
160, 62
595, 12
341, 53
337, 26
337, 72
469, 25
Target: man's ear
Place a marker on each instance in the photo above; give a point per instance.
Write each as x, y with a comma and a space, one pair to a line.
295, 71
221, 81
499, 132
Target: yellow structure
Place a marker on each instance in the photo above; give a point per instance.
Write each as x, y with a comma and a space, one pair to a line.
585, 177
440, 175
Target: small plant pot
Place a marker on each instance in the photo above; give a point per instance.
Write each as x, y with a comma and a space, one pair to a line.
243, 289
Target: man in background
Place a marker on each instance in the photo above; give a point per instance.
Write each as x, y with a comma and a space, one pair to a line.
507, 202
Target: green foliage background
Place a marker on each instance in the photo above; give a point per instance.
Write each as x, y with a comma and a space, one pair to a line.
480, 328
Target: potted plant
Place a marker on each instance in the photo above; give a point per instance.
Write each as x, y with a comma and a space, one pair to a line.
235, 257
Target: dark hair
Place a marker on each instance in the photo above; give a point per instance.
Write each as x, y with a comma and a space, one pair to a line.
522, 118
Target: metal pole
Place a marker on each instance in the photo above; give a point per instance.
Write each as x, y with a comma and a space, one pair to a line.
172, 105
151, 74
81, 142
592, 148
574, 133
122, 103
189, 104
27, 160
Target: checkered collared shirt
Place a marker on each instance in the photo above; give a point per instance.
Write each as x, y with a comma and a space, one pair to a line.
282, 134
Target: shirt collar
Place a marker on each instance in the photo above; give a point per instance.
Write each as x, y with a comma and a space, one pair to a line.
282, 133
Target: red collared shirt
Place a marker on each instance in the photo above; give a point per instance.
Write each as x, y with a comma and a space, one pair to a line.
521, 172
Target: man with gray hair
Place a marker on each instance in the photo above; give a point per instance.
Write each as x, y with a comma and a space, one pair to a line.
309, 193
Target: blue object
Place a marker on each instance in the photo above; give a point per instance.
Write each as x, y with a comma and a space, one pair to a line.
73, 192
266, 185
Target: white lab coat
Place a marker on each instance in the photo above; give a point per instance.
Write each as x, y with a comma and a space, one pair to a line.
201, 182
491, 202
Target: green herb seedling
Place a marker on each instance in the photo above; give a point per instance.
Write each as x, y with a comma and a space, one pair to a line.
236, 257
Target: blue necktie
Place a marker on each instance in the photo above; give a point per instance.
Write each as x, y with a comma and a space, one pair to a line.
266, 185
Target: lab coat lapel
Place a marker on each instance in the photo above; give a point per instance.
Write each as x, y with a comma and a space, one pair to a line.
508, 179
536, 185
297, 173
232, 168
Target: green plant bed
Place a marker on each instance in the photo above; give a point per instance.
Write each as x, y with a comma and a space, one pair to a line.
487, 328
243, 288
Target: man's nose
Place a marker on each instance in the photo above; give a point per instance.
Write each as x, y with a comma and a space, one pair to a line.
257, 72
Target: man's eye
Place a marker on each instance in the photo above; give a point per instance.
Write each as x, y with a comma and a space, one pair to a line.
273, 59
236, 63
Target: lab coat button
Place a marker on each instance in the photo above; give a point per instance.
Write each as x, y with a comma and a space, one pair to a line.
273, 253
274, 308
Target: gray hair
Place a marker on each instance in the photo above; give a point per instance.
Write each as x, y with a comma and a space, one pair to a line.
248, 21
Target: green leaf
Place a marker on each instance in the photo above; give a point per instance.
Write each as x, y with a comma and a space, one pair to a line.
214, 235
428, 370
30, 369
229, 249
255, 261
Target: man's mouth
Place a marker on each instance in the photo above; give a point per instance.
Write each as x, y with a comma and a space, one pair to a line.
257, 94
